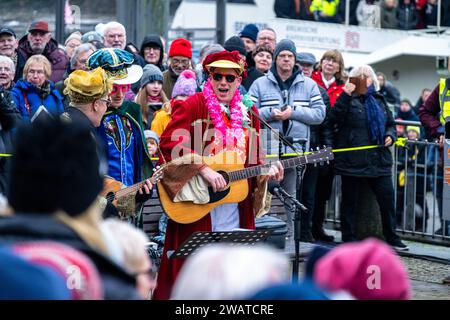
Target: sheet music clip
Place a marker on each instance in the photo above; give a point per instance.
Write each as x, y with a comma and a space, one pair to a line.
198, 240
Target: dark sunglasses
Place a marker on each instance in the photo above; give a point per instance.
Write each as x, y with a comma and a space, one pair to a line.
229, 77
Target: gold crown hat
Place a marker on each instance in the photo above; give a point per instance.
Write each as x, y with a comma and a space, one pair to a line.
87, 86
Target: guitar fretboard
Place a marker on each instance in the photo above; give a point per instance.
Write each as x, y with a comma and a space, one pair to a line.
133, 188
258, 170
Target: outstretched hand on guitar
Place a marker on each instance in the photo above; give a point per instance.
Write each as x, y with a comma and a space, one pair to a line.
145, 192
276, 172
214, 179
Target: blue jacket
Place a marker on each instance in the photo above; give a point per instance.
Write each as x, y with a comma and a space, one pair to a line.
52, 102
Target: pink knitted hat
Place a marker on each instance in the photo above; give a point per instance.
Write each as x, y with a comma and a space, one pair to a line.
82, 277
186, 84
369, 270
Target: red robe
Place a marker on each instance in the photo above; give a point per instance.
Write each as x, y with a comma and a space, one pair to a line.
186, 117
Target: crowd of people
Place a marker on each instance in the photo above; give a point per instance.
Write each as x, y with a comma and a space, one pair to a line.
390, 14
89, 123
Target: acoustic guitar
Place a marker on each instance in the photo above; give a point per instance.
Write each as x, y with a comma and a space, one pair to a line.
231, 167
113, 190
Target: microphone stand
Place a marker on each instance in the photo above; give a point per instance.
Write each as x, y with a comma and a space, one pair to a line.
297, 206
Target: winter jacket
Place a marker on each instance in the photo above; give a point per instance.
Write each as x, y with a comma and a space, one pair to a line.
349, 114
390, 93
368, 15
169, 79
117, 283
429, 114
328, 7
52, 101
253, 74
388, 17
52, 52
322, 134
334, 90
406, 16
9, 119
304, 98
408, 116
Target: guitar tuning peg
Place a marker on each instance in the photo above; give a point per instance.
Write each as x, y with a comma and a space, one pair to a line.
328, 161
158, 167
317, 148
315, 164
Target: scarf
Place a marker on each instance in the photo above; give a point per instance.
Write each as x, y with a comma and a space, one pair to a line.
375, 117
44, 90
326, 82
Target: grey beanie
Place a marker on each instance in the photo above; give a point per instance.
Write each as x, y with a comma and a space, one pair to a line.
148, 134
151, 73
285, 44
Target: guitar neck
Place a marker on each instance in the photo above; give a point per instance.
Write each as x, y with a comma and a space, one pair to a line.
259, 170
135, 187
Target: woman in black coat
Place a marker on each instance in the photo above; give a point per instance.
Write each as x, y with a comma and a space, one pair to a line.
362, 119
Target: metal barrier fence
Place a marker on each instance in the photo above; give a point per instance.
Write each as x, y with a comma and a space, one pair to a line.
418, 182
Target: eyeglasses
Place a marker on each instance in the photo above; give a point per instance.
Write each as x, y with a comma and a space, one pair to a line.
267, 39
218, 77
184, 61
124, 88
107, 101
330, 60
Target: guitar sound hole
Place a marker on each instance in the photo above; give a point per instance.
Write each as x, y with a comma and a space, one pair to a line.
217, 196
225, 176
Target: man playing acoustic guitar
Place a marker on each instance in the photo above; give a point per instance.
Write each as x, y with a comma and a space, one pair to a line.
208, 123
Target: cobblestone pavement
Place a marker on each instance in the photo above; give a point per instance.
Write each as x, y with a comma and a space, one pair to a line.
426, 279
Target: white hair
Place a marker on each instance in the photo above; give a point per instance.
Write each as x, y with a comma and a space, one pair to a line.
113, 25
9, 61
221, 272
85, 47
132, 242
367, 71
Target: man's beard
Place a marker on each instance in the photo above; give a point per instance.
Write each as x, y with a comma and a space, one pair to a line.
38, 49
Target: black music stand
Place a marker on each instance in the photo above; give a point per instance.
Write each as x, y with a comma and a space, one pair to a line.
199, 240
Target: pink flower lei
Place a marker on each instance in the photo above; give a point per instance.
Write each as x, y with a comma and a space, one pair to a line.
235, 134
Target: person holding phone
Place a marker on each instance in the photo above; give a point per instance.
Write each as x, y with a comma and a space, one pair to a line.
362, 118
290, 103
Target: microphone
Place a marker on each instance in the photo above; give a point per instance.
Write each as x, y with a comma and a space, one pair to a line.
274, 188
296, 140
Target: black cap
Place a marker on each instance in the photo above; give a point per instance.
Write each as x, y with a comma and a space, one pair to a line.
6, 30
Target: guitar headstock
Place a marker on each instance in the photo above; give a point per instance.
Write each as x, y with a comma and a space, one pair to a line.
157, 175
320, 156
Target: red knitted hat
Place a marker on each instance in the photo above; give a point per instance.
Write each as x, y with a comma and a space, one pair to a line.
181, 47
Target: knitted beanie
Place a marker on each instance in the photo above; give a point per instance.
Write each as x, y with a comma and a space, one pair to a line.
235, 43
368, 270
151, 73
55, 167
250, 31
186, 84
181, 47
283, 45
